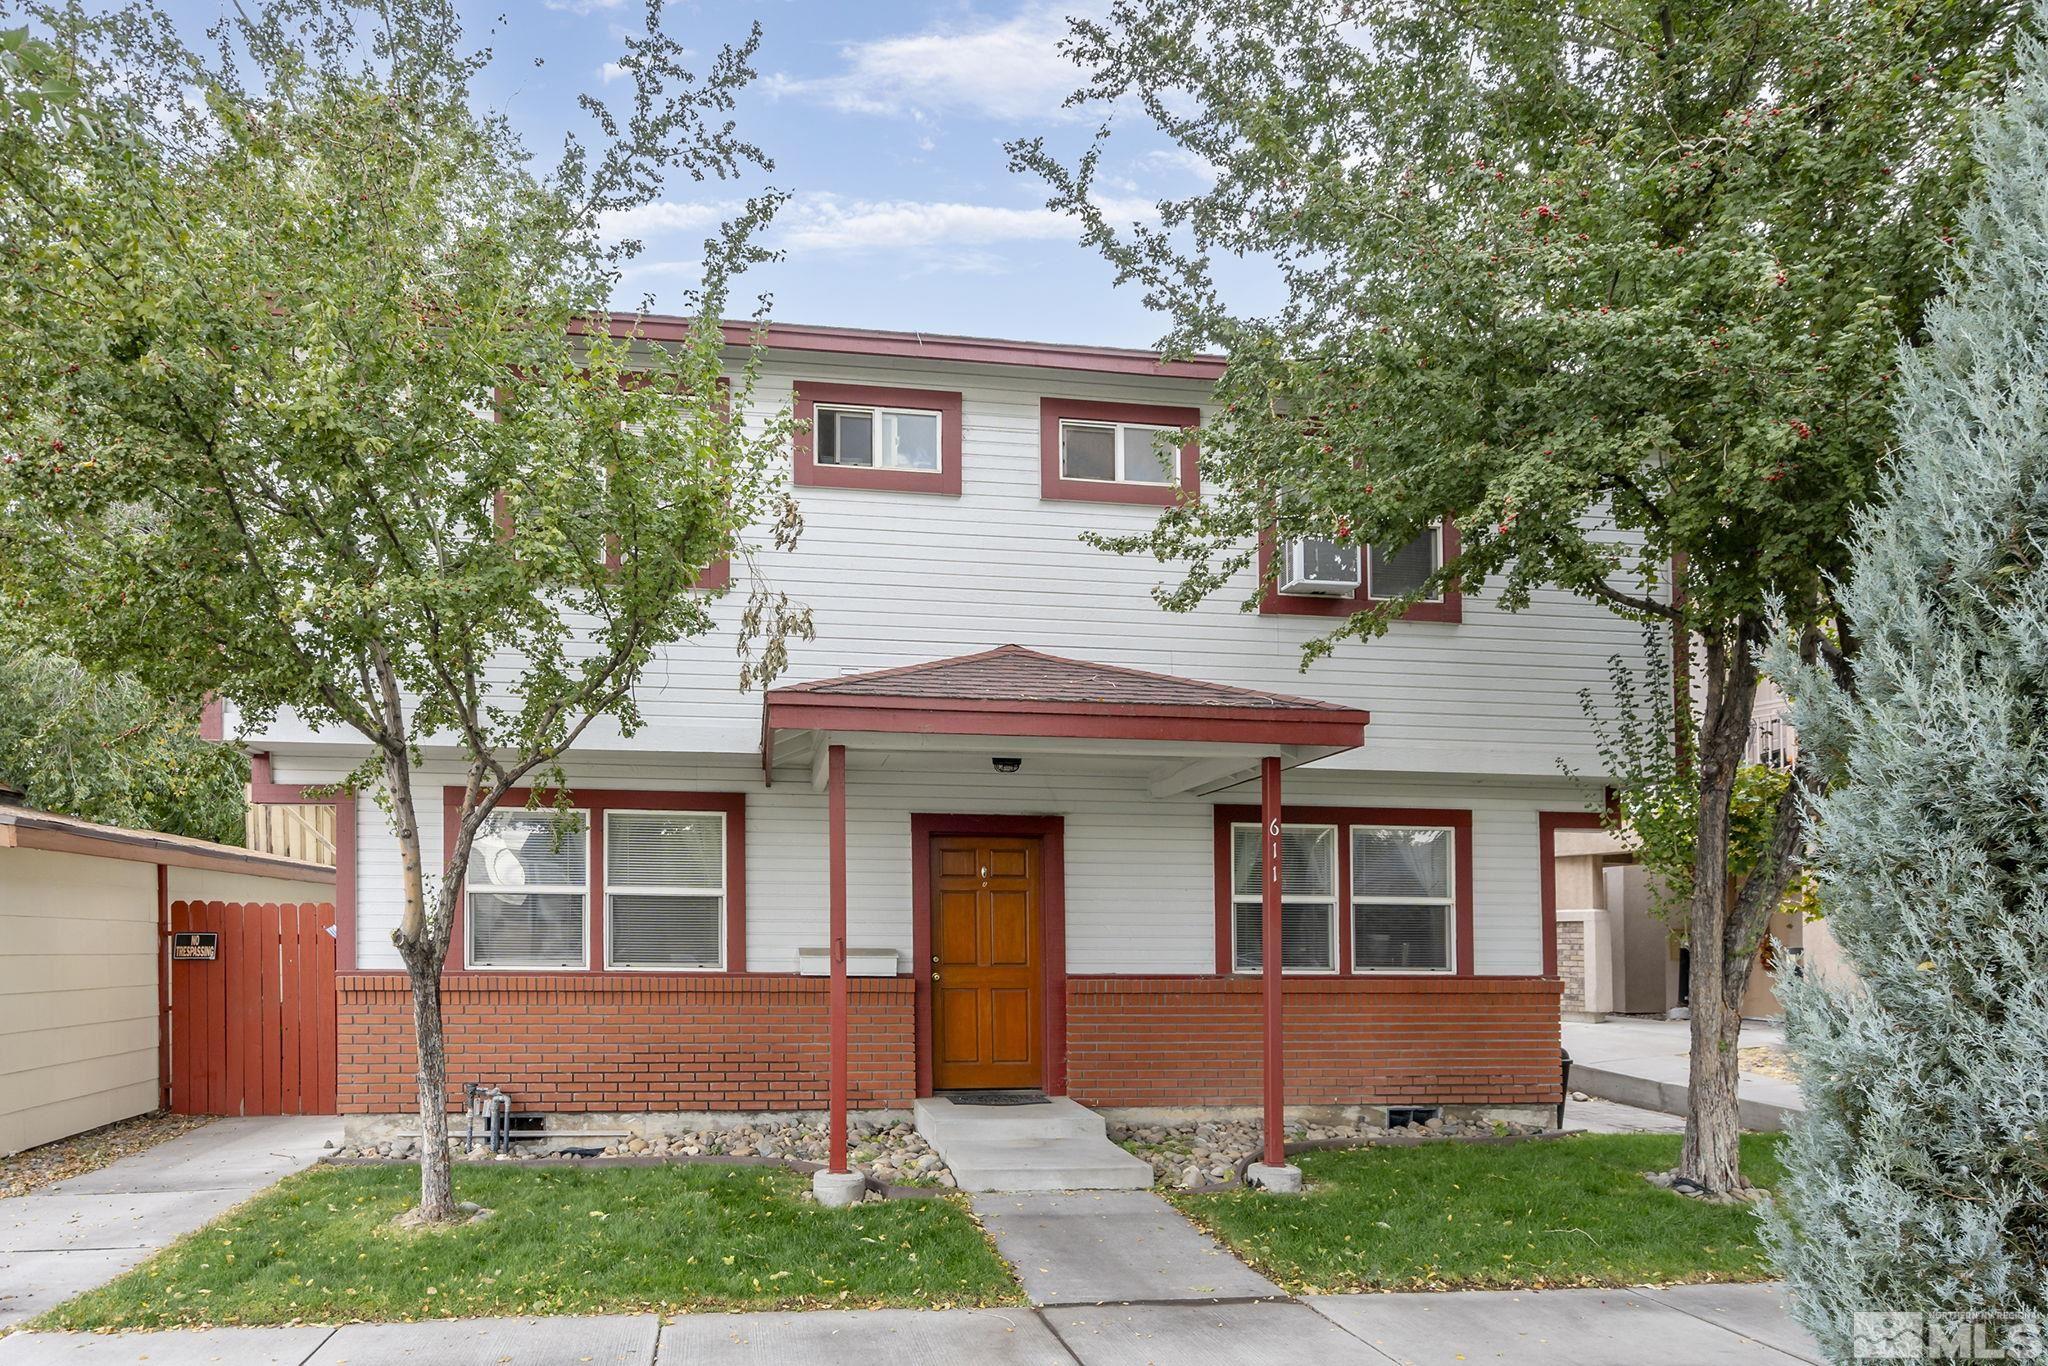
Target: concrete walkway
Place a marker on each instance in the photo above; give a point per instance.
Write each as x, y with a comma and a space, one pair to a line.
1113, 1247
1645, 1063
67, 1238
1705, 1325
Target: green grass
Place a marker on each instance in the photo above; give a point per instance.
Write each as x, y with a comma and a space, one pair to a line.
319, 1248
1571, 1211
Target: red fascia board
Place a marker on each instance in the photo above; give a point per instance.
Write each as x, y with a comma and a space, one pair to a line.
1215, 725
855, 341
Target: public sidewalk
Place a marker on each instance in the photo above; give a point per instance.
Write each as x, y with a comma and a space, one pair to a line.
67, 1238
1646, 1063
1115, 1278
1702, 1325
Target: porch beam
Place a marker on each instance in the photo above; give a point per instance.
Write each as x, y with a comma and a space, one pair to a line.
1270, 965
1200, 773
821, 756
835, 818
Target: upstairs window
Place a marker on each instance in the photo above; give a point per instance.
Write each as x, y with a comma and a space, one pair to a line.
1320, 576
1394, 572
877, 438
527, 891
1117, 453
1094, 452
1308, 898
865, 436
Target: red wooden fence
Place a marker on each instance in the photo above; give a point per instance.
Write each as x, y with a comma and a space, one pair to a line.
252, 1029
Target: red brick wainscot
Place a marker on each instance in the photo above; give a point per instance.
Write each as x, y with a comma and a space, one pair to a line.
1184, 1041
581, 1042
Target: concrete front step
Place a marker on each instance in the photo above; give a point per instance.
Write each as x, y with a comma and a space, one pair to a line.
1053, 1147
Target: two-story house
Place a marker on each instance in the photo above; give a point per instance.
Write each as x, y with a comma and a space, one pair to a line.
1040, 791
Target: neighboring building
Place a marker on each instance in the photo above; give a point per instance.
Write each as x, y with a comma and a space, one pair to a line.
85, 1008
1050, 786
1618, 957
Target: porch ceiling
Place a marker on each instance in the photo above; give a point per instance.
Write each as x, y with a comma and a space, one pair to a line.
1197, 735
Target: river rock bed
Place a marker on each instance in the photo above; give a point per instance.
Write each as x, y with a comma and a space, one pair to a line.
893, 1154
1196, 1153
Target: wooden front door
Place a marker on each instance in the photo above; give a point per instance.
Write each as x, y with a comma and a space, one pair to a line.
986, 971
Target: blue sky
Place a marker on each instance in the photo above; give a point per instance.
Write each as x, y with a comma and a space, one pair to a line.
886, 120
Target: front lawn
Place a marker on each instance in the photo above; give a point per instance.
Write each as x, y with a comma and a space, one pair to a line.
1569, 1211
562, 1240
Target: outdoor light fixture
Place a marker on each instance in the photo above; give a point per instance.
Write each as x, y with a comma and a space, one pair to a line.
1007, 765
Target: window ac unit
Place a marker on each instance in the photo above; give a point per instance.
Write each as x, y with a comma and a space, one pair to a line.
1320, 568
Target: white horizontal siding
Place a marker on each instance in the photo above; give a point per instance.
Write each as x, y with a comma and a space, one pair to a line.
898, 578
1140, 889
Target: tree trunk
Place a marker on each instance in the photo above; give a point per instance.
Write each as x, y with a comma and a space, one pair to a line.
1712, 1156
437, 1179
422, 944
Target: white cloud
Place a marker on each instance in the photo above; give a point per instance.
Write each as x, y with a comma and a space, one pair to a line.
668, 216
949, 235
611, 71
1184, 161
827, 222
582, 6
1008, 69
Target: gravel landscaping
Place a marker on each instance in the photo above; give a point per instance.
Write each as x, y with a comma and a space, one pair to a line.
893, 1154
48, 1163
1194, 1154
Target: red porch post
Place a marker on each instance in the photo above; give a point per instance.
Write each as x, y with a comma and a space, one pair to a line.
1269, 964
835, 820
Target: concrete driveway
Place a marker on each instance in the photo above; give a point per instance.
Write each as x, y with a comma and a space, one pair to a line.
67, 1238
1647, 1063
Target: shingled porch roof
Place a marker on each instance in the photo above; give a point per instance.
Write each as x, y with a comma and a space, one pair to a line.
1016, 692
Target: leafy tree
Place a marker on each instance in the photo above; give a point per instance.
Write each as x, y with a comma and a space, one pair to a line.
308, 399
1919, 1179
1655, 800
1615, 287
105, 749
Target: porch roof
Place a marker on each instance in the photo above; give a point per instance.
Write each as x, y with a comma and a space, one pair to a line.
1015, 693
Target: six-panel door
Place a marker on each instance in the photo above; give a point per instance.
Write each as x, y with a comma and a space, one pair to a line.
986, 977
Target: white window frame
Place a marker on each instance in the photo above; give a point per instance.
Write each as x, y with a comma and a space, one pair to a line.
1436, 562
612, 888
471, 889
1334, 900
1448, 901
1121, 430
875, 414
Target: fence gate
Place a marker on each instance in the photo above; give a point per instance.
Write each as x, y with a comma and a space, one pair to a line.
252, 1008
